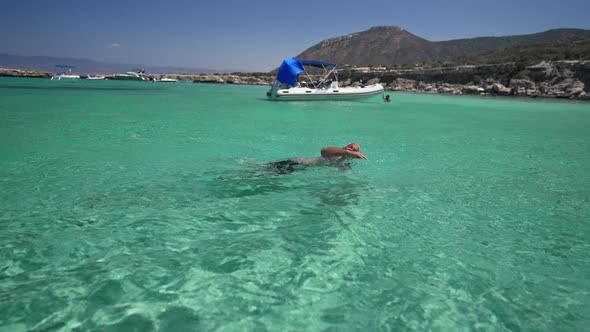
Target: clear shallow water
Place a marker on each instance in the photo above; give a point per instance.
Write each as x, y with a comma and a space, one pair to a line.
139, 206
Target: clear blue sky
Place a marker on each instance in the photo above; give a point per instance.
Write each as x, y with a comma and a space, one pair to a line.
253, 35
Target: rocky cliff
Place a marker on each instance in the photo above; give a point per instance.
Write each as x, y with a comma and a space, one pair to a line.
558, 79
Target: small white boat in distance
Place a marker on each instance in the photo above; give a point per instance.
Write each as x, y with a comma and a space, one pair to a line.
134, 75
286, 86
166, 80
65, 74
98, 77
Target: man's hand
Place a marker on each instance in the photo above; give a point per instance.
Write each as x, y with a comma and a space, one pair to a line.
358, 155
331, 152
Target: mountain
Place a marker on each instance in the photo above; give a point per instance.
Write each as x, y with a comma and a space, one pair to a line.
85, 66
391, 45
381, 45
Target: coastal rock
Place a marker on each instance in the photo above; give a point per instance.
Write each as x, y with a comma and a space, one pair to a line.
373, 81
522, 87
496, 79
582, 73
402, 84
576, 89
232, 79
209, 79
500, 90
521, 83
472, 89
448, 89
567, 88
542, 71
9, 72
454, 75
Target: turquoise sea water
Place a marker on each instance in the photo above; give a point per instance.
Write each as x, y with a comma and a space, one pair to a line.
136, 206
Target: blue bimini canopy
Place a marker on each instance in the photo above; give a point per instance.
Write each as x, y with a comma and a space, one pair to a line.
289, 70
316, 63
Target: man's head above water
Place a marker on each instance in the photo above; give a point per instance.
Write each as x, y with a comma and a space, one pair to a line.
352, 150
353, 147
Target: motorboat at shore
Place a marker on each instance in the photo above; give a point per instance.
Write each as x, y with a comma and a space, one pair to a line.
133, 75
65, 74
287, 85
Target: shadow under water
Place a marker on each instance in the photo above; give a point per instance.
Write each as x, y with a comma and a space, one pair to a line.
266, 178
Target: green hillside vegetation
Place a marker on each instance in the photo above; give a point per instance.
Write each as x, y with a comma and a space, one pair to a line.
577, 48
393, 47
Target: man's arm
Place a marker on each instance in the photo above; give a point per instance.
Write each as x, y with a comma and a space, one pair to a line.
332, 152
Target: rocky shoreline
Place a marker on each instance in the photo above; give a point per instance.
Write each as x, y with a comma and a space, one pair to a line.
557, 79
9, 72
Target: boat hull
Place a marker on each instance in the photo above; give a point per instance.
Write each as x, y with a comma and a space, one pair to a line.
127, 78
65, 77
306, 94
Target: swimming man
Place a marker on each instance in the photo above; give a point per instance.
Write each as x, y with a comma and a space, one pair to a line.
330, 155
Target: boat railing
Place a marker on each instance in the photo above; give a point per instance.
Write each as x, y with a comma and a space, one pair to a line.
324, 80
